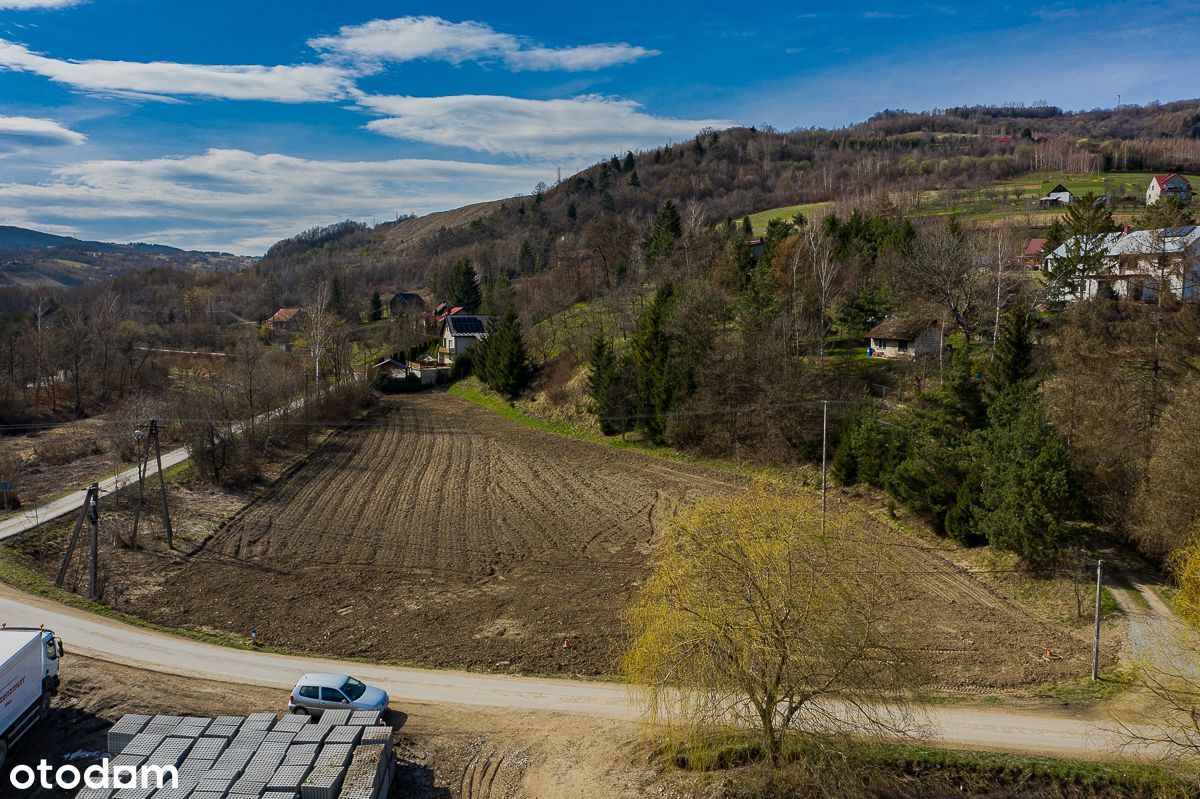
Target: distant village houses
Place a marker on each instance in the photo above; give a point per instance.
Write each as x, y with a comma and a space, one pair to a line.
459, 332
287, 319
1059, 195
1173, 185
903, 338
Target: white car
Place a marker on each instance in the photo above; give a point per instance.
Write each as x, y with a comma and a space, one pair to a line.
316, 693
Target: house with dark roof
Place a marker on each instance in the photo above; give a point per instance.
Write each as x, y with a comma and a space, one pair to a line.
1059, 195
406, 303
904, 338
459, 332
1173, 185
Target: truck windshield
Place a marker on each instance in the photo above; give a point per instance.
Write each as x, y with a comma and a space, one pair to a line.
353, 689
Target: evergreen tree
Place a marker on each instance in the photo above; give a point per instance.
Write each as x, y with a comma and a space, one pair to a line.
650, 360
630, 163
501, 361
376, 312
747, 228
1167, 212
462, 287
1012, 358
1085, 223
634, 180
664, 231
959, 393
602, 383
572, 212
337, 296
1027, 498
614, 163
960, 522
605, 176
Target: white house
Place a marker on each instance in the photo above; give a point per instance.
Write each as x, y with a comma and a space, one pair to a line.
459, 332
1136, 263
1173, 185
905, 339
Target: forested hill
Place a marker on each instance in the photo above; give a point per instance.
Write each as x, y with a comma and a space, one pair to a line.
592, 219
31, 258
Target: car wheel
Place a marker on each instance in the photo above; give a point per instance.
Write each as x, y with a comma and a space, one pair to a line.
299, 711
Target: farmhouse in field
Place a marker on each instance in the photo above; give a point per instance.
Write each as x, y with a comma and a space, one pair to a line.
904, 339
1173, 185
288, 319
1138, 264
459, 332
1059, 195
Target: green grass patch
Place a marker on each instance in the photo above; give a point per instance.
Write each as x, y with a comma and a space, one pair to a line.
816, 767
759, 220
1087, 691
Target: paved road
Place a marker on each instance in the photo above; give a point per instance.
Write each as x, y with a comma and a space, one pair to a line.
105, 639
66, 505
25, 521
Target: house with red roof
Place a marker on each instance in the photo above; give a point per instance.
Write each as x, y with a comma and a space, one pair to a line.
1173, 185
1033, 251
286, 319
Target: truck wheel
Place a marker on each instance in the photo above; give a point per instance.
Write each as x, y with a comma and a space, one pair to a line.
44, 708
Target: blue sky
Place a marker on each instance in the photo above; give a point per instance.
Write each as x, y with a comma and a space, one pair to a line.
223, 125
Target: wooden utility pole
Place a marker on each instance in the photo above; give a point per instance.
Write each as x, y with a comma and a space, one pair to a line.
83, 512
162, 484
1096, 640
94, 521
143, 457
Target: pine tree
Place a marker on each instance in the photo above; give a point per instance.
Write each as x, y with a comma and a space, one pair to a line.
376, 312
572, 212
959, 393
602, 384
747, 228
502, 362
1012, 358
651, 364
634, 180
1085, 224
630, 162
1167, 212
614, 164
1027, 498
462, 288
664, 231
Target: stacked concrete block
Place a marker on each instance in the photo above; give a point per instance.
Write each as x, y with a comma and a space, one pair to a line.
332, 718
192, 727
247, 787
206, 795
163, 725
182, 792
208, 748
367, 772
127, 759
312, 734
376, 734
263, 721
287, 778
300, 755
95, 793
143, 744
344, 735
124, 731
217, 781
365, 718
293, 721
134, 793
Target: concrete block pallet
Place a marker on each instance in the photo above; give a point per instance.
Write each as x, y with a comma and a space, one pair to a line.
344, 756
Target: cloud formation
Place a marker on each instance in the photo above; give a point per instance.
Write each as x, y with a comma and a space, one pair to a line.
577, 127
236, 200
21, 5
22, 133
166, 80
411, 38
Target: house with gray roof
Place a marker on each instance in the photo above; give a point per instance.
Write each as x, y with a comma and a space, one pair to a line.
904, 338
1137, 263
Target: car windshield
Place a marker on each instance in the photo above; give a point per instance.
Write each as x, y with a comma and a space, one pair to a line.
353, 689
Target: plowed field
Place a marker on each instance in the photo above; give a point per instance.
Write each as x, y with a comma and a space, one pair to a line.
436, 532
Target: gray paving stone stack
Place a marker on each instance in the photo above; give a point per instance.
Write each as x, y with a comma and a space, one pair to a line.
332, 718
124, 731
95, 793
344, 734
365, 718
312, 734
143, 744
163, 725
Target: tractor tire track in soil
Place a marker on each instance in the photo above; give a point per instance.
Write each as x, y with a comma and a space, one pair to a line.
439, 533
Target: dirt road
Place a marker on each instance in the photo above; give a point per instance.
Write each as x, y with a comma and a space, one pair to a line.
104, 639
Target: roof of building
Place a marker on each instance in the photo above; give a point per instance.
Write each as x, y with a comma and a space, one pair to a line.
1161, 180
1034, 247
391, 362
408, 297
1139, 242
901, 328
462, 324
285, 315
1059, 189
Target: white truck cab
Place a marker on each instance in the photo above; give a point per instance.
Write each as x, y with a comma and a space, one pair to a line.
29, 658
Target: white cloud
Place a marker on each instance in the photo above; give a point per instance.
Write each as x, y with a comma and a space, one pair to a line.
21, 5
412, 38
21, 133
243, 202
164, 80
578, 127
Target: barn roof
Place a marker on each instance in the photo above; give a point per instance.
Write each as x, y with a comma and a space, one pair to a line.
408, 297
1034, 247
901, 328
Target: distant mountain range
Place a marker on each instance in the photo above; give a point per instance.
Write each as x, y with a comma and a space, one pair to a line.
33, 258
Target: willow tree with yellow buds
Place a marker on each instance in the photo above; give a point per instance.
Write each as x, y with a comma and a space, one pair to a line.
755, 619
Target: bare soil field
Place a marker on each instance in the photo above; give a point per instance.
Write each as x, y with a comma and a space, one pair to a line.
435, 532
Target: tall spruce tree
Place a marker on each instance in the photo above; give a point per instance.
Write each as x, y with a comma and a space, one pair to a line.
630, 163
502, 362
650, 360
376, 312
1012, 359
664, 231
602, 383
462, 287
1085, 223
